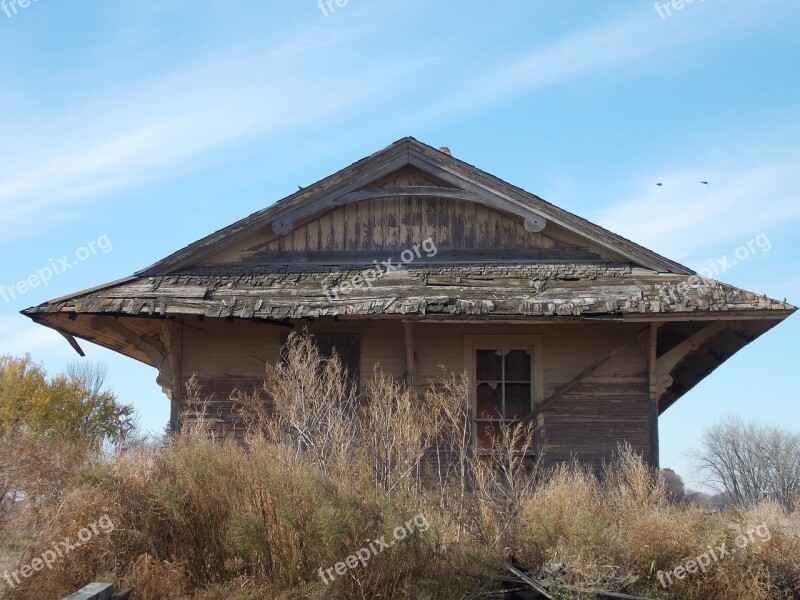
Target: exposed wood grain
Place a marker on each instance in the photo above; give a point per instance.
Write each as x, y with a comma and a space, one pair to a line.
534, 585
410, 356
429, 191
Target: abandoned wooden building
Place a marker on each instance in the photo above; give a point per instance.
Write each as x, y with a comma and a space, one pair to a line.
412, 259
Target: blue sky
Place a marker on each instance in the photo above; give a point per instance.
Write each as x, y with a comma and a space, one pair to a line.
156, 123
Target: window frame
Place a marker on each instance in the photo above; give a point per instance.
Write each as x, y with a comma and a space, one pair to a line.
531, 342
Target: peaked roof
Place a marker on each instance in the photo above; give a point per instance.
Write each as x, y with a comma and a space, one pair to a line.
135, 315
475, 184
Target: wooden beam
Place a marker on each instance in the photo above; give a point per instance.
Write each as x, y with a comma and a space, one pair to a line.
704, 315
284, 219
502, 201
534, 585
173, 342
72, 342
410, 355
653, 395
93, 591
588, 371
652, 355
534, 221
409, 190
354, 177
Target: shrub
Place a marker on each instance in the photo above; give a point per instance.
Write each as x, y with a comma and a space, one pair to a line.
312, 481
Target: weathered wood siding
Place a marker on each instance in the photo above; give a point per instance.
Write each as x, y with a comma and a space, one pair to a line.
398, 222
609, 407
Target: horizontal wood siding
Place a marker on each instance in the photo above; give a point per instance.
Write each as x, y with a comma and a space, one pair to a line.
225, 357
587, 423
607, 408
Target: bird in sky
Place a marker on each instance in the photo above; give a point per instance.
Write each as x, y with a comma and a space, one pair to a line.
704, 182
659, 184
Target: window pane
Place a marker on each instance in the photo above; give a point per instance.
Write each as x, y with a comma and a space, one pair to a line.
488, 365
518, 400
518, 365
487, 432
489, 401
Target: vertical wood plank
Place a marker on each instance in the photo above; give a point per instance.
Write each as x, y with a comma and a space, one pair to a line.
429, 214
365, 216
417, 220
312, 235
392, 222
326, 232
337, 225
378, 209
482, 231
298, 236
404, 209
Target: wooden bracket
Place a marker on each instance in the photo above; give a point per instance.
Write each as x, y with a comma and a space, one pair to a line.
72, 342
669, 360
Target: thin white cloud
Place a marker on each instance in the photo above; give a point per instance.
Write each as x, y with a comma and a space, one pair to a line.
128, 136
19, 335
132, 134
639, 35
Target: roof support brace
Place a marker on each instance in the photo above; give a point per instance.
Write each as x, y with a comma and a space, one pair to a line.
669, 360
588, 371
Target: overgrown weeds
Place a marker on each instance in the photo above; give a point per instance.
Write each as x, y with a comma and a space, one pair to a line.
323, 473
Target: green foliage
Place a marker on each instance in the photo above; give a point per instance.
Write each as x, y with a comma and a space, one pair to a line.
69, 407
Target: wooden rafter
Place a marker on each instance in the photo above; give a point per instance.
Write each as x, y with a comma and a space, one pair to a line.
72, 342
153, 354
285, 224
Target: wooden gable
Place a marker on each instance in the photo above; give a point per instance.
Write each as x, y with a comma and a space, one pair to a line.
387, 222
399, 197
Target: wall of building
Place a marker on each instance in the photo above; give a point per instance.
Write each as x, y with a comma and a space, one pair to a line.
607, 408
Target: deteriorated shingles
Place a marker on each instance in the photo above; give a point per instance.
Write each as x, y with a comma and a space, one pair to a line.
491, 290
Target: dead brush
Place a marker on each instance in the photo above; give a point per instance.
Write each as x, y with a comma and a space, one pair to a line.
313, 405
505, 476
320, 473
396, 433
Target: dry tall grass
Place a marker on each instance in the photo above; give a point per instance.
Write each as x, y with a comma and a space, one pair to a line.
324, 473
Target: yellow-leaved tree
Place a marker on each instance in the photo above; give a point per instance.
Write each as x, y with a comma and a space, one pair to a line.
70, 407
